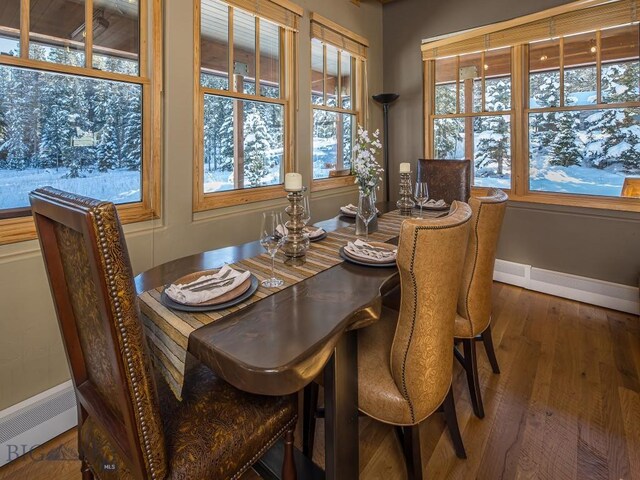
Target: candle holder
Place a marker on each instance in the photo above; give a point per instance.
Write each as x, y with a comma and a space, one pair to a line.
406, 203
296, 243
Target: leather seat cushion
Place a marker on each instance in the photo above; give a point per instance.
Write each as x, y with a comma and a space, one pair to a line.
216, 431
378, 394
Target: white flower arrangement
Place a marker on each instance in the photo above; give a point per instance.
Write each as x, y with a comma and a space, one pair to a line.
367, 171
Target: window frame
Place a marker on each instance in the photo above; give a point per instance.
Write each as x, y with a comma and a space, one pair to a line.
359, 93
21, 227
520, 71
288, 67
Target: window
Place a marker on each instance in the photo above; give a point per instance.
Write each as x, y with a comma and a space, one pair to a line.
243, 102
592, 149
553, 98
473, 114
76, 106
337, 98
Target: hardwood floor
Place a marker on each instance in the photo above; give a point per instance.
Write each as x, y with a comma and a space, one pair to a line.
566, 405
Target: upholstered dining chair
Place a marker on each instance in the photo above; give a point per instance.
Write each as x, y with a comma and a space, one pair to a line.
473, 322
448, 180
130, 426
405, 360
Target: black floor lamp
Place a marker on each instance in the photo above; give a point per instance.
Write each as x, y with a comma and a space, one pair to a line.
386, 99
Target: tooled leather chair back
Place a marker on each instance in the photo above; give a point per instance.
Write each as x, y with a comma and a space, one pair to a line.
447, 180
430, 261
91, 281
474, 301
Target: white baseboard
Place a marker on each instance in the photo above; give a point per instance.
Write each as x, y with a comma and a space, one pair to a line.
35, 421
588, 290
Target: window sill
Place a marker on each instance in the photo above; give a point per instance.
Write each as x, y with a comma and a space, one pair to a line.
622, 204
232, 198
329, 183
14, 230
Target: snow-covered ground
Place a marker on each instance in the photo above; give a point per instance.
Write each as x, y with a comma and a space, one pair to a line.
574, 179
118, 186
215, 181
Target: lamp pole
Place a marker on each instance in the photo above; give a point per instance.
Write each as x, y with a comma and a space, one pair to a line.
386, 99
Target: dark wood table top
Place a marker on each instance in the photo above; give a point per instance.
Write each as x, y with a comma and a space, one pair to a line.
278, 345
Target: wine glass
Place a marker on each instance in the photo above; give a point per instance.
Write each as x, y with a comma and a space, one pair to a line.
367, 211
306, 203
271, 239
421, 194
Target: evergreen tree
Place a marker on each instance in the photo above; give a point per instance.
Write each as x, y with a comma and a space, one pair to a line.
493, 133
492, 147
256, 148
564, 148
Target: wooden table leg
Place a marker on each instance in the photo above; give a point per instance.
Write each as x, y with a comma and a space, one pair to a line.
342, 458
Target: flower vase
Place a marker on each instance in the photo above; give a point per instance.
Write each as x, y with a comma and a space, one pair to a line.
373, 224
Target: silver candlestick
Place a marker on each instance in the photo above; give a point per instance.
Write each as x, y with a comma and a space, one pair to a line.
296, 243
406, 203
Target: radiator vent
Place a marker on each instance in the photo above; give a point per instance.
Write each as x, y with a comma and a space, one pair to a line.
36, 421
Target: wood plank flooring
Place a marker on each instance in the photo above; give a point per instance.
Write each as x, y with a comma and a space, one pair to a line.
566, 405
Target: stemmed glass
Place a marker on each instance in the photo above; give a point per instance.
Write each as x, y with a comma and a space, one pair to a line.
271, 240
306, 217
421, 194
367, 211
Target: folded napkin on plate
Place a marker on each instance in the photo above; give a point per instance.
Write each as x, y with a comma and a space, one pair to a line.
313, 232
350, 209
369, 252
438, 204
282, 230
182, 294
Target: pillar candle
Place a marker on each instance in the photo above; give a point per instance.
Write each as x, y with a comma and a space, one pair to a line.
293, 182
405, 168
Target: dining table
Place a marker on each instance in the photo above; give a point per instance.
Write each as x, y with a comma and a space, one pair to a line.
280, 343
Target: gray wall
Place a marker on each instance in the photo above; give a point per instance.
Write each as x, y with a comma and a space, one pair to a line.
588, 242
32, 358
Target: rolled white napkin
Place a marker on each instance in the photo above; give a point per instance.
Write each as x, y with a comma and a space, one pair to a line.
369, 252
436, 204
182, 294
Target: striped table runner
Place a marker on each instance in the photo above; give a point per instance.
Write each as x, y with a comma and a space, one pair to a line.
168, 330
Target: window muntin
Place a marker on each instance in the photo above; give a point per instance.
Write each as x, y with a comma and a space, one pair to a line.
588, 143
81, 133
472, 105
244, 127
333, 93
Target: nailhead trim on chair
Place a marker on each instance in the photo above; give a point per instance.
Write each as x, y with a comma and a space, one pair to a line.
405, 393
266, 447
473, 271
125, 342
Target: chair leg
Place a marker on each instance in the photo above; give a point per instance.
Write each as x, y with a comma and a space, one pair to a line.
410, 440
288, 464
87, 474
488, 346
471, 366
449, 408
309, 407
